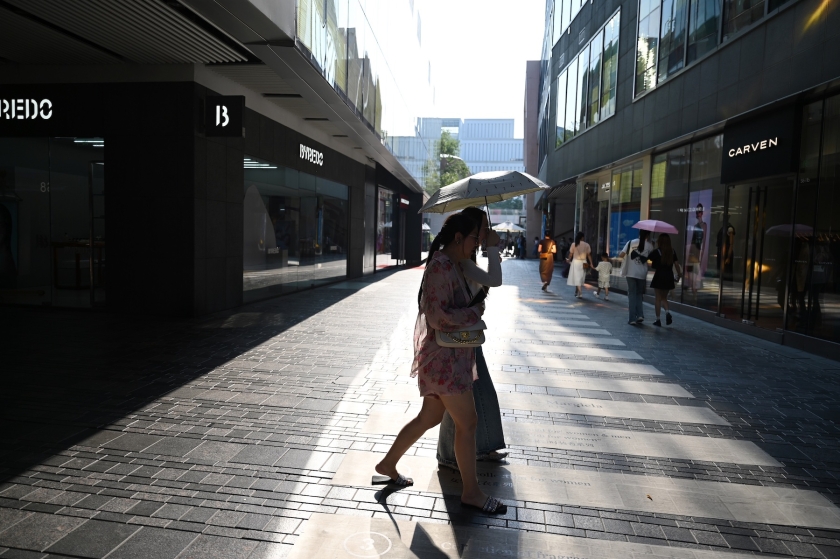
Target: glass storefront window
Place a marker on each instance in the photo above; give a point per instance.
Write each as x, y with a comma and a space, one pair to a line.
295, 230
668, 193
52, 246
625, 207
706, 237
814, 292
386, 232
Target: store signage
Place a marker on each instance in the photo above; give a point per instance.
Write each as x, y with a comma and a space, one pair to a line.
752, 148
312, 155
223, 116
762, 146
25, 109
403, 202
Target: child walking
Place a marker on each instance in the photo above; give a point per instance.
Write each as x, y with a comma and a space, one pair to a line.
604, 270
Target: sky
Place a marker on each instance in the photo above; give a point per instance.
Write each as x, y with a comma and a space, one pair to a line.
478, 50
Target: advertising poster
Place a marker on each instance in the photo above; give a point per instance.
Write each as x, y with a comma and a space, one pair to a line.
697, 238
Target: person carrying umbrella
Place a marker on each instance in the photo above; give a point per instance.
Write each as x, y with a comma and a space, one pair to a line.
663, 260
547, 248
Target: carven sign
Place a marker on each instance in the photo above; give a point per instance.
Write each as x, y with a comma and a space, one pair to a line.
763, 146
25, 109
752, 148
223, 116
312, 155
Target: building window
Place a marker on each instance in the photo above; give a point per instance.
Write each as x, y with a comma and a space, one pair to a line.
672, 37
703, 21
586, 88
738, 14
647, 45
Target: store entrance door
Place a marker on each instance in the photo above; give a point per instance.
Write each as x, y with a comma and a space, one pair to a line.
753, 250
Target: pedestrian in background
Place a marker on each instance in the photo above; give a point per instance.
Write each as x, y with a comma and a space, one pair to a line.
604, 271
580, 257
634, 269
547, 248
667, 271
489, 435
536, 247
445, 374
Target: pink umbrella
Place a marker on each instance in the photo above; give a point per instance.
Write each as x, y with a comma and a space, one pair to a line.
656, 226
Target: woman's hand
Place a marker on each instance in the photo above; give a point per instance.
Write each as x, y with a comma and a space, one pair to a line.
493, 238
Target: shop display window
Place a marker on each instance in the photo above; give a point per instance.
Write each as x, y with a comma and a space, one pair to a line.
625, 205
295, 230
814, 292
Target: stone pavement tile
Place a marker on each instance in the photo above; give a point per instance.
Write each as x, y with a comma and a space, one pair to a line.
215, 547
144, 508
215, 451
39, 531
154, 542
302, 459
259, 455
10, 517
93, 539
134, 442
269, 550
22, 554
173, 446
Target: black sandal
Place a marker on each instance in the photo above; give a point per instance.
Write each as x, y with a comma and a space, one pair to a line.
491, 506
401, 480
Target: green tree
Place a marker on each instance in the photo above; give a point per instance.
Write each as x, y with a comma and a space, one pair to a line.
445, 167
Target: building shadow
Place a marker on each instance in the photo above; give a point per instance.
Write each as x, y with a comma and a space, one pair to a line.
67, 375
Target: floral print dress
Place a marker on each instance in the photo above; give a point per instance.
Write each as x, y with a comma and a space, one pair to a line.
443, 306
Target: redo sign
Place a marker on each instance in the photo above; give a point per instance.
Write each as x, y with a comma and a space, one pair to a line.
223, 116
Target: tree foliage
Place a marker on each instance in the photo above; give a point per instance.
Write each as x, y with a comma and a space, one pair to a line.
445, 167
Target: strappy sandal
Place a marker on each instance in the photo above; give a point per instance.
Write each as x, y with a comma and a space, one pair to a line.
491, 506
401, 480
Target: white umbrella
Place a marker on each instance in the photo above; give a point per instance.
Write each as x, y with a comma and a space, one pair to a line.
426, 227
508, 227
482, 188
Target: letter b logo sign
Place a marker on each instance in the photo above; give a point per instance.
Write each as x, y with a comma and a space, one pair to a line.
224, 116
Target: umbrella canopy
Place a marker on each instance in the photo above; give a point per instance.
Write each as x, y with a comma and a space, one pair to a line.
786, 229
482, 188
655, 226
426, 227
508, 227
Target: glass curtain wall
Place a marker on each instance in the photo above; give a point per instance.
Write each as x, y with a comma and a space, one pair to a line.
586, 87
668, 193
295, 230
52, 221
625, 205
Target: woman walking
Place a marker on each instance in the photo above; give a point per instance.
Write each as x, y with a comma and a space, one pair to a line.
635, 254
547, 249
580, 254
444, 374
663, 260
489, 435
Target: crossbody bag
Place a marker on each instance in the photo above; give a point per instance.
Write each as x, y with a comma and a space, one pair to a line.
466, 336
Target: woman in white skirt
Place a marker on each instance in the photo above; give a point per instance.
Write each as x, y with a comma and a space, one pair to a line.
579, 254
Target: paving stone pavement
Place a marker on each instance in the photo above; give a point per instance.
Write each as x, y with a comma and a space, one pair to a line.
219, 436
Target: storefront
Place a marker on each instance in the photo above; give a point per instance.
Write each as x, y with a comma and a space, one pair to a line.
198, 219
399, 234
296, 217
756, 207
